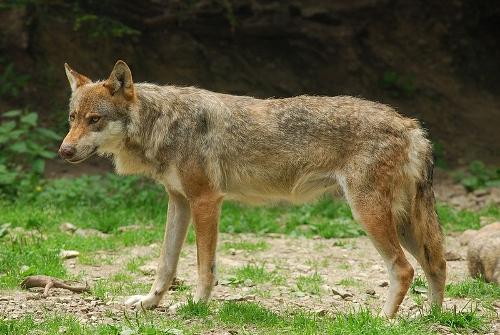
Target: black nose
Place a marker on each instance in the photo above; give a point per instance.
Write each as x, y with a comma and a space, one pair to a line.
67, 151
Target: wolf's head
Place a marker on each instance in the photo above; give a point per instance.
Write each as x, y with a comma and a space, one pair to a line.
98, 113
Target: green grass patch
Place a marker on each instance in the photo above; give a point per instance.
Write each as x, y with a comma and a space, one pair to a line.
466, 319
248, 314
257, 274
194, 309
474, 288
350, 282
252, 318
459, 220
310, 284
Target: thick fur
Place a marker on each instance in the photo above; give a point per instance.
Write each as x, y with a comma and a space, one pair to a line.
206, 147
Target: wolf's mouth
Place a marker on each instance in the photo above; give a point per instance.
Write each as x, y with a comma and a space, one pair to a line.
84, 158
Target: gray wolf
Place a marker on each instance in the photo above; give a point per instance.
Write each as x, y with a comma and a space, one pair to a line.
205, 147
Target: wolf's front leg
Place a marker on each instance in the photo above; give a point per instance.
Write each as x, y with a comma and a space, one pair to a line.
178, 218
206, 212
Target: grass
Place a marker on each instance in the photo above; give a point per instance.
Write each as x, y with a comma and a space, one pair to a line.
194, 309
350, 282
252, 318
474, 289
310, 284
257, 274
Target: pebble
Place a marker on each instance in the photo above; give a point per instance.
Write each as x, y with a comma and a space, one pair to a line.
148, 270
370, 291
341, 292
68, 227
67, 254
452, 256
383, 283
248, 283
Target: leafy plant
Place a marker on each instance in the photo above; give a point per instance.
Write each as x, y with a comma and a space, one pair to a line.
23, 149
100, 26
397, 84
478, 175
11, 82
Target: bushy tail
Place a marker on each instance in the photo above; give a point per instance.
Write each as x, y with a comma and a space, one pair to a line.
420, 232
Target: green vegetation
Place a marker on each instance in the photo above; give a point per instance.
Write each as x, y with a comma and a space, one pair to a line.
102, 27
478, 175
256, 273
310, 284
11, 82
24, 148
397, 84
252, 318
474, 289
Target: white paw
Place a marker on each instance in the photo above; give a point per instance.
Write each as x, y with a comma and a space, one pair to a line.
142, 302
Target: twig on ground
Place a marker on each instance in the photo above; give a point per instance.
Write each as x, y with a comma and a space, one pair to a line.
48, 282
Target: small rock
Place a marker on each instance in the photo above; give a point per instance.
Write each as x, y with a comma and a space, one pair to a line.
24, 268
68, 227
481, 192
63, 330
248, 283
127, 331
232, 251
238, 297
175, 331
341, 292
452, 256
148, 270
420, 289
67, 254
383, 283
466, 236
370, 291
91, 232
300, 294
321, 312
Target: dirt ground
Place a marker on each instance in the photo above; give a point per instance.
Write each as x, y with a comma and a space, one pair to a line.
354, 259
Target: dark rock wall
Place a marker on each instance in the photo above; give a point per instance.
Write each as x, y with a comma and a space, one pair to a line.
438, 61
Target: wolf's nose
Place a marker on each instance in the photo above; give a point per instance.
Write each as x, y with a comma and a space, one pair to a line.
67, 151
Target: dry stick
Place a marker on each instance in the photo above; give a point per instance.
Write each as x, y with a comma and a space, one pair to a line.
48, 282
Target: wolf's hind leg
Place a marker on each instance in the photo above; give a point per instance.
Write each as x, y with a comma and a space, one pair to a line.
374, 213
421, 235
178, 218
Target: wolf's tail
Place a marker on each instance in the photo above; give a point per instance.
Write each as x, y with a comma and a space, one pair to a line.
419, 230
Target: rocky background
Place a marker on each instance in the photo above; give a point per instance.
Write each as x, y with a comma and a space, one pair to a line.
438, 61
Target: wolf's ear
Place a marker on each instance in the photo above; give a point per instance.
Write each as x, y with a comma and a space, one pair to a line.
120, 81
75, 79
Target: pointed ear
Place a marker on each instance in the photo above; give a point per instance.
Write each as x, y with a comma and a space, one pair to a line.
120, 81
75, 79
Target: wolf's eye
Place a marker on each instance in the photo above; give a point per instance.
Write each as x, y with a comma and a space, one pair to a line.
94, 119
72, 117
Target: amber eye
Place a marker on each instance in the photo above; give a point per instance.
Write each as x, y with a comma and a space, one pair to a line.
94, 119
72, 117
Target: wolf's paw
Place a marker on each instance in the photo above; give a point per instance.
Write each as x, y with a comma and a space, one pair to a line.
142, 302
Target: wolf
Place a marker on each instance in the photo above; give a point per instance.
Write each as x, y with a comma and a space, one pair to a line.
205, 147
